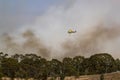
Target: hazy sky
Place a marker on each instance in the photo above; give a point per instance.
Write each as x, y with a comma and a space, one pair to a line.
14, 13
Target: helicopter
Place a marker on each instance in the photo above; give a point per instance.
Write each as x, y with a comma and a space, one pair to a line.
71, 31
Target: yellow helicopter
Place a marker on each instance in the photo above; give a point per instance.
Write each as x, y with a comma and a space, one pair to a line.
71, 31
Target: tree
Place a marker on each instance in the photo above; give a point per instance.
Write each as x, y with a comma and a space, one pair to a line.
77, 63
9, 67
27, 64
68, 67
102, 63
31, 65
55, 67
85, 65
118, 64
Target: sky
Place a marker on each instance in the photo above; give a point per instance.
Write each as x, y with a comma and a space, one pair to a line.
14, 13
40, 26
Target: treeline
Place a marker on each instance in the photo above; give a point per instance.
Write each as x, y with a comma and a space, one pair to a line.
33, 66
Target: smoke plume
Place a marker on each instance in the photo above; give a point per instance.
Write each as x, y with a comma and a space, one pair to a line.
30, 44
97, 24
94, 41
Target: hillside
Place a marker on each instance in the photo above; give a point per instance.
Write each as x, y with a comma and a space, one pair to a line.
107, 76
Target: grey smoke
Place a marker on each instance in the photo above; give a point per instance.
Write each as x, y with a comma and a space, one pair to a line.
97, 23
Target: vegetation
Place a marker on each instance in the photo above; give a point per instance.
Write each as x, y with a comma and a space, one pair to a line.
33, 66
